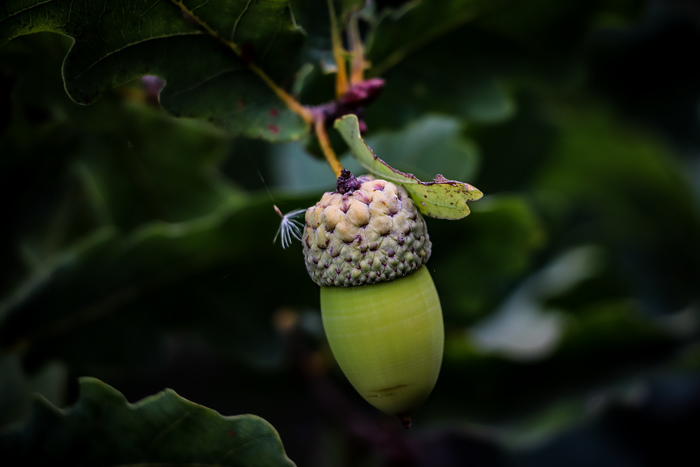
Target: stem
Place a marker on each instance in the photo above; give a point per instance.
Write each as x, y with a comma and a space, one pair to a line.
293, 104
357, 74
287, 98
331, 158
341, 77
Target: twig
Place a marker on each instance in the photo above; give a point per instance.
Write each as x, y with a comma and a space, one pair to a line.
331, 158
341, 77
290, 101
357, 74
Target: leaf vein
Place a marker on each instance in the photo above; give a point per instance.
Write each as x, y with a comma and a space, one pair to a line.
104, 57
205, 81
238, 20
149, 9
243, 446
22, 10
200, 6
99, 19
161, 436
270, 44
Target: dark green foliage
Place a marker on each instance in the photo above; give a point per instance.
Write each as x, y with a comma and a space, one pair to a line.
116, 42
165, 429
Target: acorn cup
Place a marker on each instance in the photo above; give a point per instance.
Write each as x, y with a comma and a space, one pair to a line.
366, 246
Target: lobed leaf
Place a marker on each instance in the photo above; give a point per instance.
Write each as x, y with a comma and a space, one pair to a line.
102, 428
191, 44
441, 198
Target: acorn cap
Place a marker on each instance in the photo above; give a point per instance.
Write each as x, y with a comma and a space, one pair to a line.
370, 233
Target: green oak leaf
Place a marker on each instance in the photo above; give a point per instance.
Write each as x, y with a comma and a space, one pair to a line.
441, 198
146, 283
102, 428
118, 41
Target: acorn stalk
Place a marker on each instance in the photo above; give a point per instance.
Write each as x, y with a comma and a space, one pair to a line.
366, 245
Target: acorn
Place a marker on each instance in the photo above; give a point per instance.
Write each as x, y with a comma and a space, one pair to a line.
366, 245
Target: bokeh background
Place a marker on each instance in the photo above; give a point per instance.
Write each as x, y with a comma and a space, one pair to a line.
137, 247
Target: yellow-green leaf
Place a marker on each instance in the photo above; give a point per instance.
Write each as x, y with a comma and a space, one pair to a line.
441, 198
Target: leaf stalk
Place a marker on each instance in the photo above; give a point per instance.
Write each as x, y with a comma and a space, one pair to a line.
324, 142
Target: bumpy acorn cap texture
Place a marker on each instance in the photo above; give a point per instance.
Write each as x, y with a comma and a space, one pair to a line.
369, 234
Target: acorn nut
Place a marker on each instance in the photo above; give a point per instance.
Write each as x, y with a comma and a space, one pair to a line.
366, 246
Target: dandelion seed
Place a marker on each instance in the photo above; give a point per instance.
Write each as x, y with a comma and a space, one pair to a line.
289, 227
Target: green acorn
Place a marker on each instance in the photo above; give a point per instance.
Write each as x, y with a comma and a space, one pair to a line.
366, 246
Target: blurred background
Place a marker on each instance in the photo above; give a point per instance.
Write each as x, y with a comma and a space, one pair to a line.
137, 247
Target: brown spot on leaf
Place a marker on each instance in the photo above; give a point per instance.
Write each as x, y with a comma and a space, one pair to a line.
273, 128
274, 113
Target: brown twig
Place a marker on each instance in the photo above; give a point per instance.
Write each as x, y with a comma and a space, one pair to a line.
341, 77
328, 152
357, 73
284, 96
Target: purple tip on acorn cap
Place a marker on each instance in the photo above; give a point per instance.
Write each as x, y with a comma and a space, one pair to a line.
347, 183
